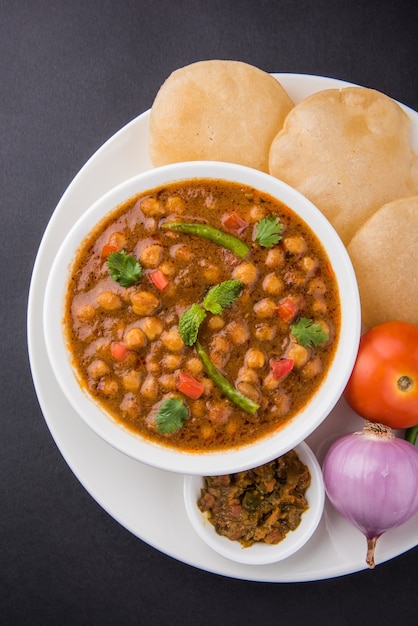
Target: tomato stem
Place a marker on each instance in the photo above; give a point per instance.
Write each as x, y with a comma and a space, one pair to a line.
405, 383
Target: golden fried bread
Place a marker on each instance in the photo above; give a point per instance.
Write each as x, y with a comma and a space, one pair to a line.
217, 110
383, 253
348, 151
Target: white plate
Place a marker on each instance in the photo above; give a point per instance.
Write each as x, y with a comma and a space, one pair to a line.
140, 497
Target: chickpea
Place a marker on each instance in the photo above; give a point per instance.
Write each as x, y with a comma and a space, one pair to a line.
251, 391
299, 354
100, 347
152, 255
319, 306
325, 326
281, 404
135, 338
108, 387
117, 239
270, 383
255, 358
181, 253
97, 369
171, 362
207, 431
150, 224
152, 365
237, 332
211, 274
312, 368
275, 258
265, 308
231, 427
248, 375
309, 265
152, 207
175, 204
265, 332
86, 312
208, 385
152, 327
197, 408
144, 302
219, 412
109, 301
168, 268
130, 405
295, 278
295, 245
131, 381
246, 273
272, 284
149, 388
219, 359
167, 382
256, 213
172, 340
170, 290
220, 343
216, 322
317, 287
194, 366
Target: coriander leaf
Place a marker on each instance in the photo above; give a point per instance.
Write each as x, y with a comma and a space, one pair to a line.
189, 323
171, 415
309, 333
222, 295
124, 268
268, 231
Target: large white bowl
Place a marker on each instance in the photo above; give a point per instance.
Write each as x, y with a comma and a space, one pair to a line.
218, 462
260, 553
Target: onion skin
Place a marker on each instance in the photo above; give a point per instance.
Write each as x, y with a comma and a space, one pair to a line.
371, 479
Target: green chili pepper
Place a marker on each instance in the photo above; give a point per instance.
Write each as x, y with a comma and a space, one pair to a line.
235, 245
224, 385
411, 434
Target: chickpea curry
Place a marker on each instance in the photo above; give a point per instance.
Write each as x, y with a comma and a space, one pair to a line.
202, 315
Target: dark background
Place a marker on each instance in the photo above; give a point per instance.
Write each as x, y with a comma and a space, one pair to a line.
72, 73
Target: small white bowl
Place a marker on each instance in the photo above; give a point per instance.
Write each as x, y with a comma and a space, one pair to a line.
260, 553
224, 461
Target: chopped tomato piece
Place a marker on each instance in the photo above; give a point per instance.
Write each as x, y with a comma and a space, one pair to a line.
107, 249
280, 368
188, 385
159, 279
287, 309
234, 222
118, 350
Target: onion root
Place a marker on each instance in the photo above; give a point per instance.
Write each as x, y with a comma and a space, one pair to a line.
371, 547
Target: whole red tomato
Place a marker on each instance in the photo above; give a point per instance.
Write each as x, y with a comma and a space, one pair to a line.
383, 386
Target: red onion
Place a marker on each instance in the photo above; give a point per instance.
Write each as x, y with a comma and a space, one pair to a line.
371, 478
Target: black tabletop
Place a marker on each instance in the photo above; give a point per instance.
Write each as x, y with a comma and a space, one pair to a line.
72, 74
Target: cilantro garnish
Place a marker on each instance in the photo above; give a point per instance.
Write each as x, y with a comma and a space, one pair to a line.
308, 333
171, 415
222, 295
124, 268
268, 231
189, 323
217, 299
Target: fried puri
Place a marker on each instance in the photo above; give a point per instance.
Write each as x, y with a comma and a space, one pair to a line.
217, 110
383, 253
348, 151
